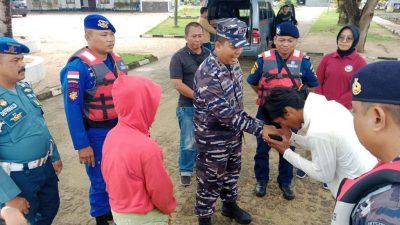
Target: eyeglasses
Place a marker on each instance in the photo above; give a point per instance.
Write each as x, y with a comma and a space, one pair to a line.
346, 38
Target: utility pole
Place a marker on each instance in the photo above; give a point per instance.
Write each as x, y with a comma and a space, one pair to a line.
176, 13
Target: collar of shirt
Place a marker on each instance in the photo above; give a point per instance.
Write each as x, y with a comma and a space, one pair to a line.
313, 101
351, 56
192, 52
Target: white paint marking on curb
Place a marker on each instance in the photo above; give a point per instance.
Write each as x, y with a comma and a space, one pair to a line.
144, 61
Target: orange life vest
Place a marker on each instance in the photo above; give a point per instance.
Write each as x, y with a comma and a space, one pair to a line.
98, 102
272, 78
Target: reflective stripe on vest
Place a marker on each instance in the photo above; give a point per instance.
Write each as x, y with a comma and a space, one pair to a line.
351, 191
273, 78
98, 103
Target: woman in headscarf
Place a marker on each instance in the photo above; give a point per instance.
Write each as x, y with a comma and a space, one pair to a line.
336, 69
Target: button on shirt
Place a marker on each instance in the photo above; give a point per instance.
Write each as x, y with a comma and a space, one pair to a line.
74, 107
24, 135
330, 136
308, 76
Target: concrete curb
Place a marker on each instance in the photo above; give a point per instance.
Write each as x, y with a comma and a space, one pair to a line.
160, 36
54, 91
186, 17
364, 56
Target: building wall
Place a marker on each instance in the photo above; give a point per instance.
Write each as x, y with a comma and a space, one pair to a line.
317, 3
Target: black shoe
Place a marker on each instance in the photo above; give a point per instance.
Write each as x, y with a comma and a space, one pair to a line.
205, 221
110, 217
102, 220
287, 191
232, 210
261, 189
186, 180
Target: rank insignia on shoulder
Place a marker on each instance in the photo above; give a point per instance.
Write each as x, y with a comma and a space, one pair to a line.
3, 102
73, 95
27, 90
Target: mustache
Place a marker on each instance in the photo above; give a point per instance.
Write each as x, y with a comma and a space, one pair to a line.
22, 70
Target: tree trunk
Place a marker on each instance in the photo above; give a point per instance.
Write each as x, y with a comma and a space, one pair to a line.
365, 20
343, 20
5, 19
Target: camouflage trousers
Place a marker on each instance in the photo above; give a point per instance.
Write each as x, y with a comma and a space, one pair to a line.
218, 167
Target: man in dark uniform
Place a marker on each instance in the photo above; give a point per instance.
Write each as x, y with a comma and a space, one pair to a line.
285, 16
374, 197
269, 69
29, 159
182, 67
87, 80
219, 124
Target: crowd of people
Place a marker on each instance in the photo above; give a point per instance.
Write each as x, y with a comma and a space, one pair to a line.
347, 115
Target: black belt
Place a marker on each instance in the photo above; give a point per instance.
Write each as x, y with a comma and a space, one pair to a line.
99, 124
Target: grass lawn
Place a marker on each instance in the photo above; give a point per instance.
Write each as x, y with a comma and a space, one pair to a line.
167, 27
131, 57
193, 11
327, 24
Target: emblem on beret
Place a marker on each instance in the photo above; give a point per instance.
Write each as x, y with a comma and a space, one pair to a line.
348, 68
3, 102
103, 24
73, 95
278, 30
356, 87
11, 49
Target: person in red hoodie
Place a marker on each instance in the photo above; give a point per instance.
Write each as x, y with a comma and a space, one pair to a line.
139, 187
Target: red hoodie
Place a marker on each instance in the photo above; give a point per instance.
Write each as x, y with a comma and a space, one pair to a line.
132, 165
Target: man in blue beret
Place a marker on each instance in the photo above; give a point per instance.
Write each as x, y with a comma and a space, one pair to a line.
87, 80
29, 159
374, 197
220, 120
284, 66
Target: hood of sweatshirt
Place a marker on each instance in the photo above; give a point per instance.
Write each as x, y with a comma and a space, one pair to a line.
136, 100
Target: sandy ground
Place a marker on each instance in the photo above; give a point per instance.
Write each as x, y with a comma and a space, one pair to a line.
312, 205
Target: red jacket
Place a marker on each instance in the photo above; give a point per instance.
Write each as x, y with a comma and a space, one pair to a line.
334, 73
132, 164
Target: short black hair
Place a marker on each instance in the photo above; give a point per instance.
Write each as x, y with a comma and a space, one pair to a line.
203, 10
279, 98
393, 110
191, 24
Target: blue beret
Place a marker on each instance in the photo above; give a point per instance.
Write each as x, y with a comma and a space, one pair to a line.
98, 22
377, 82
287, 29
11, 46
234, 30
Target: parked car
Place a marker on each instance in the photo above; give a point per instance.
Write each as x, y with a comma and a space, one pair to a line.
19, 7
257, 14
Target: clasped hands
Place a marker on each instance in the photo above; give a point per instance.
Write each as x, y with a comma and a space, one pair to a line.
284, 132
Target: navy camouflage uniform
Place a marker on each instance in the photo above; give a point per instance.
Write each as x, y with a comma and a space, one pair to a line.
219, 124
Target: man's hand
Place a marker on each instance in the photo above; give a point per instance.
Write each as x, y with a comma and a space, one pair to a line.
287, 132
86, 156
280, 146
58, 166
13, 216
19, 203
269, 129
